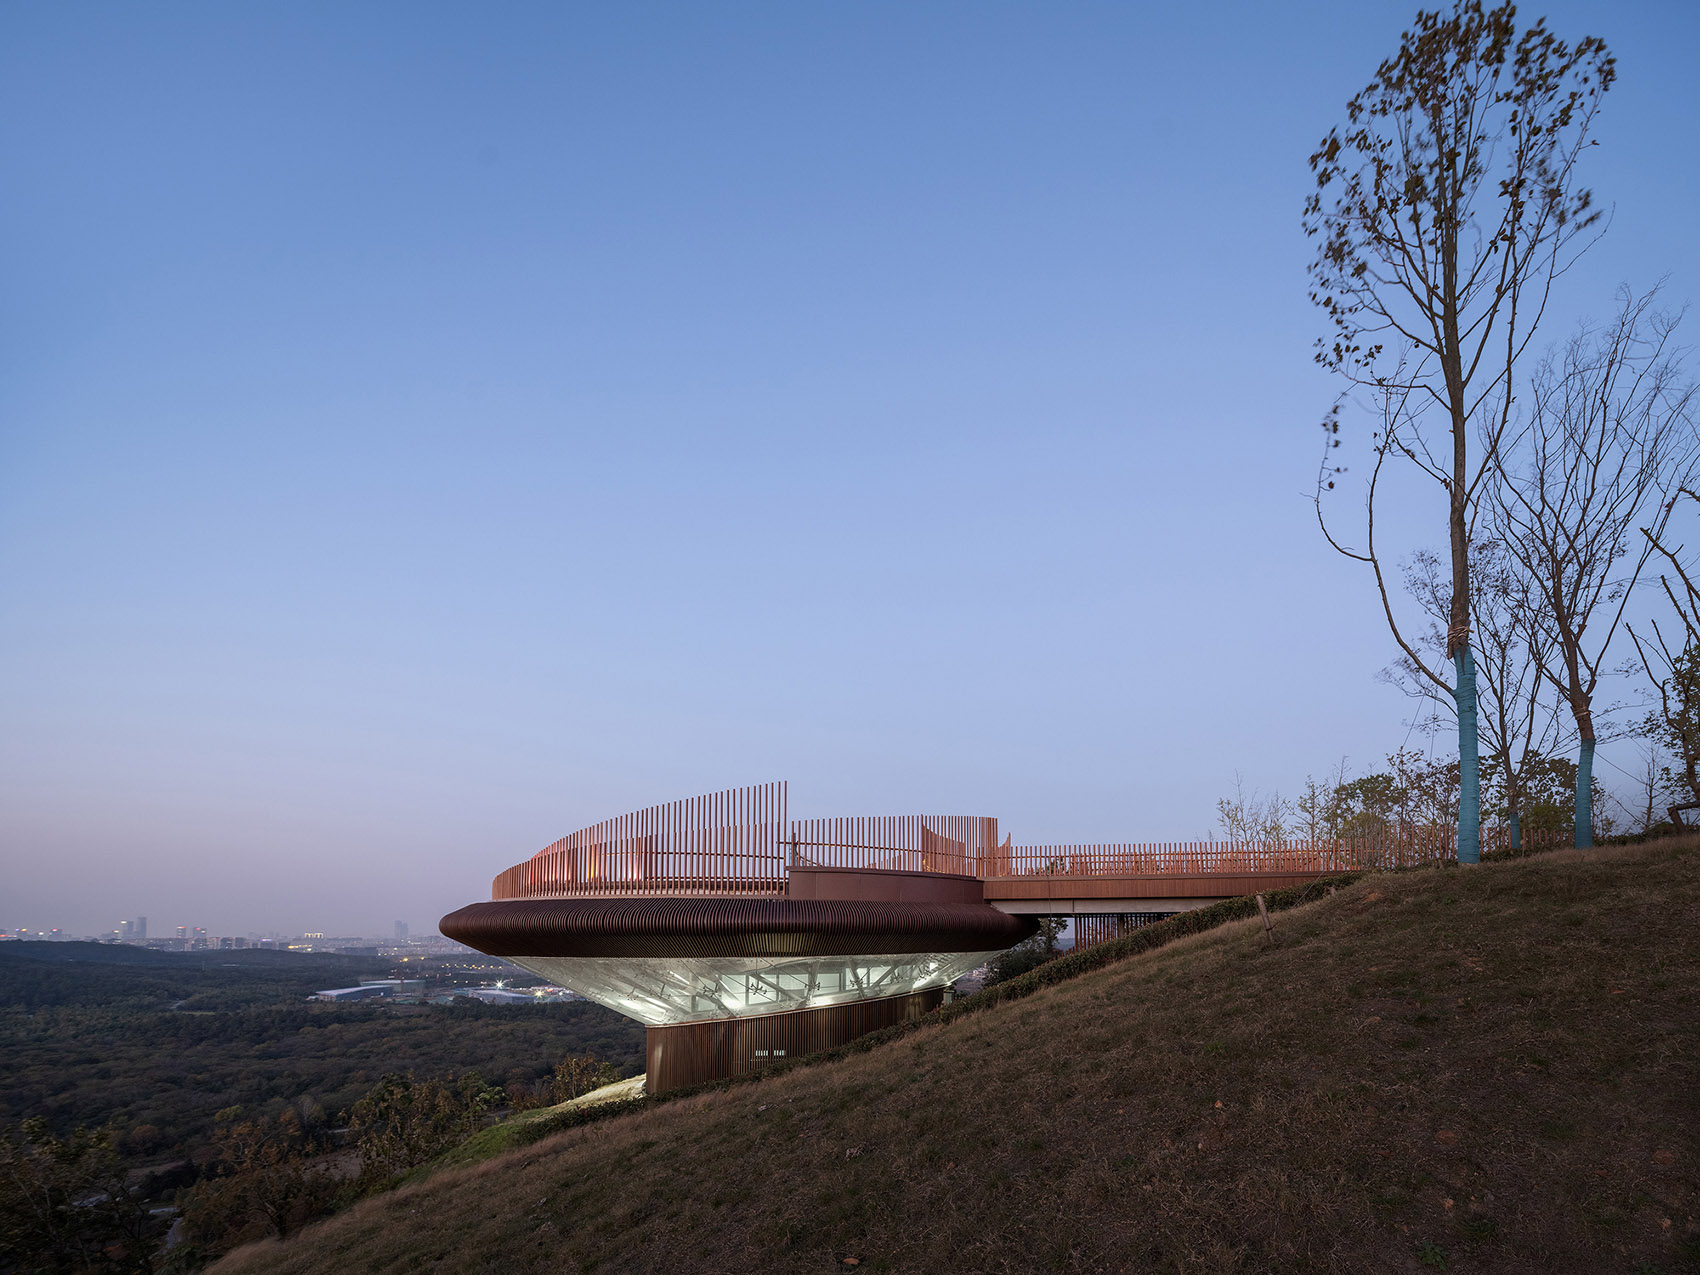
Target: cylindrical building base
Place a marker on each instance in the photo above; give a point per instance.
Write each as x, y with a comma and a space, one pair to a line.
694, 1053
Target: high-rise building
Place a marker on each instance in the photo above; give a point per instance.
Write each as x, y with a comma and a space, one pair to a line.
141, 929
126, 931
401, 931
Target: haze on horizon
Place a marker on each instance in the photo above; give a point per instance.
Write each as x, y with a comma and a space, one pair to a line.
425, 431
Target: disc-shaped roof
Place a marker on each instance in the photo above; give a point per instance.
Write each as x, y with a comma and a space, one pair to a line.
729, 927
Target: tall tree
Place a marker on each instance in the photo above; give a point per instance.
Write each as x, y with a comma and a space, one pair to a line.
1444, 210
1606, 442
1517, 719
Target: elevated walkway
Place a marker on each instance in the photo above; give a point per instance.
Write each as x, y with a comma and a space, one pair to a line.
742, 843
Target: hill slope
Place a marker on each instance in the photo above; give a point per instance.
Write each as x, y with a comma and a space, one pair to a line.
1483, 1070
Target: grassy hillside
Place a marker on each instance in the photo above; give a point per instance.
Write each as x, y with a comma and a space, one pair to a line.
1486, 1070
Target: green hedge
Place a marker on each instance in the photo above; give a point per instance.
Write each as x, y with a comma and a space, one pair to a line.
1144, 939
1063, 968
523, 1131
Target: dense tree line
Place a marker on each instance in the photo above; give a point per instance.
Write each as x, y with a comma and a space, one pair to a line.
1412, 790
36, 975
261, 1109
153, 1045
273, 1175
70, 1204
160, 1078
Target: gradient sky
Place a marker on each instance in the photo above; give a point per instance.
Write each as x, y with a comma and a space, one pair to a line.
427, 429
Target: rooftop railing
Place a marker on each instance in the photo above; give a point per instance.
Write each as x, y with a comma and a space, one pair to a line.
729, 843
956, 844
740, 842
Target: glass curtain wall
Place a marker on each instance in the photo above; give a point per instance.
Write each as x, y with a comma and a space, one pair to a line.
661, 990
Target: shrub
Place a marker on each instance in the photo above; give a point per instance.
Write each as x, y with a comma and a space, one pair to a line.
64, 1204
402, 1122
578, 1074
1027, 954
268, 1177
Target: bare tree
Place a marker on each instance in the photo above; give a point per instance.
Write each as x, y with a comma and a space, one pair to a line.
1249, 817
1673, 663
1316, 810
1427, 788
1517, 717
1445, 209
1650, 782
1675, 724
1608, 439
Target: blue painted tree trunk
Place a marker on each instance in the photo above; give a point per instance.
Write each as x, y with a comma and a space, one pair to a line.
1585, 794
1469, 764
1516, 831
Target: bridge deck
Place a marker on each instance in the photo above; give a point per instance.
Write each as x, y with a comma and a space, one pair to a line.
1155, 892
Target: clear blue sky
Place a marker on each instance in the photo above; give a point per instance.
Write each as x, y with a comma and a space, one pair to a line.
426, 429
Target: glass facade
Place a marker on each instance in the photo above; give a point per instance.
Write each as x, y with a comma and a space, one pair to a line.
661, 990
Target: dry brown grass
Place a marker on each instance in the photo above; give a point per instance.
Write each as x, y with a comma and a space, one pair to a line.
1494, 1069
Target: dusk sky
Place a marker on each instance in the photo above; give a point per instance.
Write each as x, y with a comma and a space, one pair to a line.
427, 429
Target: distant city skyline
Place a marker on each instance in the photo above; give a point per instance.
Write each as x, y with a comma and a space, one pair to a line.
127, 931
427, 431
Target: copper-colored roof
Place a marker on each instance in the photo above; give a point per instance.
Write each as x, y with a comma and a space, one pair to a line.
729, 927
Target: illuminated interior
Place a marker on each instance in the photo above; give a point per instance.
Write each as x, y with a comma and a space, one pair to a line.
662, 990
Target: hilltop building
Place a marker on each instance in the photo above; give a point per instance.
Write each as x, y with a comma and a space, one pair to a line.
738, 938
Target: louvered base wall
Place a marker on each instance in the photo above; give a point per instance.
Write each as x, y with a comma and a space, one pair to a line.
695, 1053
